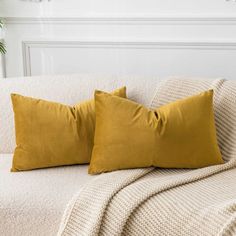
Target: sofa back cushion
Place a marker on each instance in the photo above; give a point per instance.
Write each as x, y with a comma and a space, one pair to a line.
68, 89
224, 105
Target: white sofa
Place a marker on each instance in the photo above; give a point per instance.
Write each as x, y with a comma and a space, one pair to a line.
32, 202
147, 201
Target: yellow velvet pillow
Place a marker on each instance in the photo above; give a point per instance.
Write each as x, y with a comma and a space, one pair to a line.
52, 134
181, 134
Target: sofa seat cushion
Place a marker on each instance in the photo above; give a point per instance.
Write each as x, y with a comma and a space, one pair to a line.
33, 202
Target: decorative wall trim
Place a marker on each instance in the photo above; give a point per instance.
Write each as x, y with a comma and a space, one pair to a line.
26, 58
124, 20
206, 45
3, 66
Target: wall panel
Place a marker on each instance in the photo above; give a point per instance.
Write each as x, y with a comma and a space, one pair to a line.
119, 37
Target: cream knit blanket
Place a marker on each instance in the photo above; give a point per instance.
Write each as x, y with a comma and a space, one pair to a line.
161, 201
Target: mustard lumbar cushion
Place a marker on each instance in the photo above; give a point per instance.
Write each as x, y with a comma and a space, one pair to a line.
51, 134
181, 134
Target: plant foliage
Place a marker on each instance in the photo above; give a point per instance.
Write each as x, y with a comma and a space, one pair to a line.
2, 46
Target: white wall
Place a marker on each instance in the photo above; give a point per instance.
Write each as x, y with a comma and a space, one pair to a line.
103, 8
151, 37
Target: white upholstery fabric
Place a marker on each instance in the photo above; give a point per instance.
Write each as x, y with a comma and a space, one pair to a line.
32, 202
68, 89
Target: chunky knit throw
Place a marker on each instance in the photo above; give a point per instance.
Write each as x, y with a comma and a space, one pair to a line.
165, 201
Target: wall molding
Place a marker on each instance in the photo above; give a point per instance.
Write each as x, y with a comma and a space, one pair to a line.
2, 66
183, 45
172, 20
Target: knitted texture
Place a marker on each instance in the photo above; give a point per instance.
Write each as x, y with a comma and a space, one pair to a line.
165, 201
156, 202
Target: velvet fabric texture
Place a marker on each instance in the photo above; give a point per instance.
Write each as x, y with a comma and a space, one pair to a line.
181, 134
51, 134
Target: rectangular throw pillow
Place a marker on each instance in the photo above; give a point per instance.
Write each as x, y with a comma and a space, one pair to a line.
52, 134
181, 134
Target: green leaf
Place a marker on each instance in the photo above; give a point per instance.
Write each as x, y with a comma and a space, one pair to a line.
2, 48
